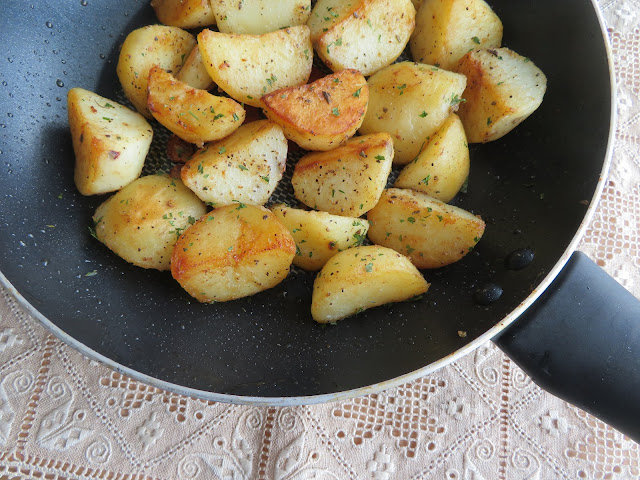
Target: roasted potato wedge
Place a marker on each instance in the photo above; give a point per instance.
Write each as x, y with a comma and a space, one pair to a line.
442, 166
319, 235
411, 101
255, 17
321, 115
244, 167
184, 13
348, 180
142, 222
430, 232
194, 73
194, 115
366, 35
232, 252
447, 29
248, 66
145, 47
361, 278
503, 89
110, 142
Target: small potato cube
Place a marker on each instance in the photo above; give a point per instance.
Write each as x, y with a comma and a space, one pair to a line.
366, 35
255, 17
244, 167
144, 48
142, 222
361, 278
232, 252
442, 166
194, 73
346, 181
321, 115
503, 89
447, 29
184, 13
248, 66
320, 235
411, 101
194, 115
430, 232
110, 142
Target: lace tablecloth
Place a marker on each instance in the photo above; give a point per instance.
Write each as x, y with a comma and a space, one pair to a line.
63, 416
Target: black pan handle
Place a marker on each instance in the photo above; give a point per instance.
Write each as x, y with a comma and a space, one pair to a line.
581, 342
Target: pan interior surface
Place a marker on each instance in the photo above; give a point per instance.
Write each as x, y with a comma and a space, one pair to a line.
530, 187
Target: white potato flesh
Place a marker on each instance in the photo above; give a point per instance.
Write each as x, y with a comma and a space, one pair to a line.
194, 73
244, 167
232, 252
184, 13
248, 66
110, 142
255, 17
411, 101
144, 48
361, 278
320, 235
142, 222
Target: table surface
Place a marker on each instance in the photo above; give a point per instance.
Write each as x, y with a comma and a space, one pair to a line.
65, 416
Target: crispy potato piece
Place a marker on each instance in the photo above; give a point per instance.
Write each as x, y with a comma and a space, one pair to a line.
255, 17
232, 252
321, 115
366, 35
145, 47
442, 166
361, 278
430, 232
346, 181
503, 89
194, 115
194, 73
245, 167
447, 29
319, 235
178, 150
248, 66
142, 222
110, 142
411, 101
184, 13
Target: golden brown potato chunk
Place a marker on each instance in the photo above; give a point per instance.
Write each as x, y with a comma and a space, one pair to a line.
194, 73
255, 17
184, 13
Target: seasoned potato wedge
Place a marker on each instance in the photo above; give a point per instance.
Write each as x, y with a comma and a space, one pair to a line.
442, 166
110, 142
142, 222
145, 47
248, 66
411, 101
366, 35
430, 232
194, 115
503, 89
321, 115
184, 13
447, 29
361, 278
232, 252
348, 180
320, 235
194, 73
255, 17
245, 167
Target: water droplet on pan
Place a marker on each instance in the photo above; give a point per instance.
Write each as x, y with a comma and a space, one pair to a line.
488, 294
49, 24
59, 83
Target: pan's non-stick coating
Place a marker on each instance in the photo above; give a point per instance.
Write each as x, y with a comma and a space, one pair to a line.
530, 187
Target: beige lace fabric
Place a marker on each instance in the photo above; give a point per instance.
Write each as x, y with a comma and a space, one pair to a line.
63, 416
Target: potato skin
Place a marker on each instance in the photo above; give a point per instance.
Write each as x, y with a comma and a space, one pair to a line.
232, 252
430, 232
361, 278
255, 17
184, 13
142, 221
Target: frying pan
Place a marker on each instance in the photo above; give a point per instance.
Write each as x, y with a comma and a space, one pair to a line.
533, 188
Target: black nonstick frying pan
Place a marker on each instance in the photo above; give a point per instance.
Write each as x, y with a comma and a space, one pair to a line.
533, 188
